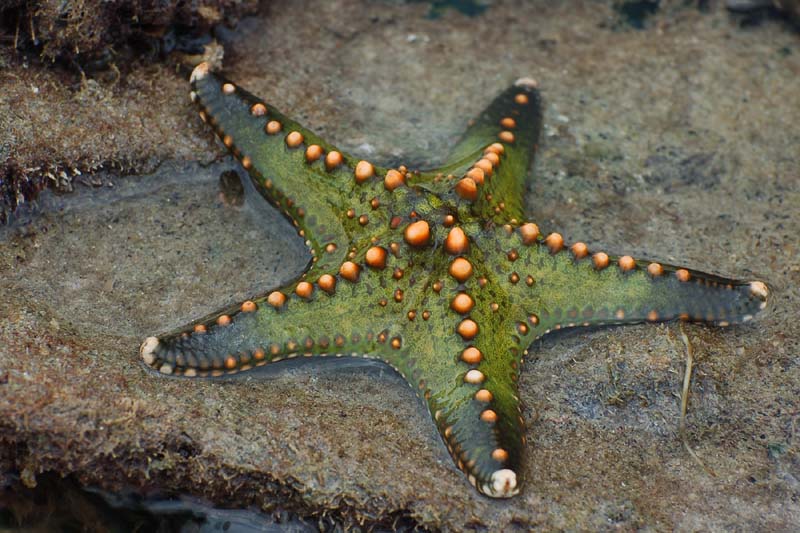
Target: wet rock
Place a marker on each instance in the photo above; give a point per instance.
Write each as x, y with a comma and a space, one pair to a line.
141, 254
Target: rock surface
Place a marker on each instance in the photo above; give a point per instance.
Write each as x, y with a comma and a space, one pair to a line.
676, 142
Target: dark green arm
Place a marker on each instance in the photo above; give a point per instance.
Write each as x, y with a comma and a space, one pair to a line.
495, 154
560, 286
335, 201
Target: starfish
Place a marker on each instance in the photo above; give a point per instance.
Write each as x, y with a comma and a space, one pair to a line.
435, 273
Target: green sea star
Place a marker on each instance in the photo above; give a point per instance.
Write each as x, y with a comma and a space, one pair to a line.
432, 272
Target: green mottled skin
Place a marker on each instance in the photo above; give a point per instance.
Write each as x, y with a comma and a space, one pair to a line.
361, 318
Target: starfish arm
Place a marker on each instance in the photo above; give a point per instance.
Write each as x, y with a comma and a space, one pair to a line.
332, 198
560, 287
301, 319
495, 154
470, 386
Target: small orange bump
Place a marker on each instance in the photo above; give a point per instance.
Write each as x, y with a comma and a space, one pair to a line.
456, 242
462, 303
522, 328
223, 320
468, 328
313, 152
258, 110
393, 180
426, 315
227, 141
396, 343
512, 255
489, 416
294, 139
467, 189
304, 289
484, 396
333, 160
579, 250
513, 278
460, 269
330, 247
230, 362
682, 274
276, 299
533, 319
200, 328
496, 148
471, 356
376, 257
627, 263
363, 220
364, 171
555, 242
506, 136
327, 283
475, 377
477, 174
492, 157
259, 354
449, 220
486, 166
600, 260
508, 123
350, 213
655, 269
500, 455
273, 127
228, 88
437, 286
521, 99
652, 316
249, 306
417, 233
411, 315
529, 232
247, 162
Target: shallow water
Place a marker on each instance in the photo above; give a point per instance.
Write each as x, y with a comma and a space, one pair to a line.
63, 505
170, 234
